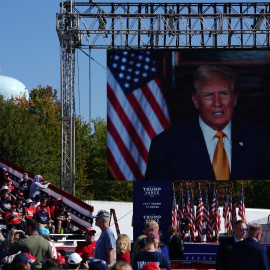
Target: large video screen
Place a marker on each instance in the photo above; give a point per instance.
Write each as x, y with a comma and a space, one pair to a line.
151, 91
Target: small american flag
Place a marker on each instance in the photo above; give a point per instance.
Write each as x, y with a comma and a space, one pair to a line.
136, 112
242, 210
181, 209
218, 217
192, 217
174, 211
206, 211
199, 215
226, 215
233, 217
212, 222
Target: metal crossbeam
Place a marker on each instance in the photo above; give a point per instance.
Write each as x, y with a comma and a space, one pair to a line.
99, 25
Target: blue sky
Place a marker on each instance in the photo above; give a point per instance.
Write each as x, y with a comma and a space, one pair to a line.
30, 52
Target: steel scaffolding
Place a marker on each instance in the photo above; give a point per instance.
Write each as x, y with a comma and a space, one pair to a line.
99, 25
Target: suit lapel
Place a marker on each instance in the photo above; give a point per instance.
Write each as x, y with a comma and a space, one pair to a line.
238, 152
199, 153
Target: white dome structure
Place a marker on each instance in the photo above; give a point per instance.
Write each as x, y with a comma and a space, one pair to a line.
10, 87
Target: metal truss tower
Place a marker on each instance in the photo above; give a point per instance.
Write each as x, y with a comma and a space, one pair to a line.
90, 25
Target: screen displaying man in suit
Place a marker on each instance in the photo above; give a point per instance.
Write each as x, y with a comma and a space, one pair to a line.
212, 147
249, 254
225, 246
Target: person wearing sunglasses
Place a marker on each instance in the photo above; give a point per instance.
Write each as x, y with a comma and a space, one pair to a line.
87, 248
249, 254
225, 246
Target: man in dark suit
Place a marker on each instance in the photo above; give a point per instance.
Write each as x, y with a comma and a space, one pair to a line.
249, 254
176, 245
225, 246
190, 151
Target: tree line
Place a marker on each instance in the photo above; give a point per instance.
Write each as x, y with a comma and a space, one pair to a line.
30, 137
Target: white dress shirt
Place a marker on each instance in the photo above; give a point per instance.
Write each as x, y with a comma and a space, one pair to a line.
211, 141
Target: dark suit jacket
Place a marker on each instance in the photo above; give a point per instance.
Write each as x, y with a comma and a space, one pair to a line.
176, 248
180, 153
223, 253
249, 255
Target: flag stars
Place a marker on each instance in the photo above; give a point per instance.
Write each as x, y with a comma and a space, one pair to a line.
126, 85
116, 57
121, 75
147, 59
138, 65
144, 74
114, 65
124, 60
122, 67
137, 72
128, 77
146, 67
129, 69
136, 79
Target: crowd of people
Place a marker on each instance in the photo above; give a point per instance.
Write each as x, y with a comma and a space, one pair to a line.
29, 220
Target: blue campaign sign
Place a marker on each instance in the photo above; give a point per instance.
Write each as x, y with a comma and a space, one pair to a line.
152, 200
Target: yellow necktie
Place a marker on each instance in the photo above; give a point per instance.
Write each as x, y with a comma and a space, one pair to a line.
220, 160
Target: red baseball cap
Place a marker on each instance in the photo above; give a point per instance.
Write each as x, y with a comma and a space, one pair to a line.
13, 206
89, 229
31, 258
60, 258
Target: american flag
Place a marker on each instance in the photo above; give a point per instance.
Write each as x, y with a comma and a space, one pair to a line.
174, 211
136, 112
180, 209
206, 211
233, 217
212, 220
192, 217
226, 213
242, 210
218, 217
187, 205
199, 215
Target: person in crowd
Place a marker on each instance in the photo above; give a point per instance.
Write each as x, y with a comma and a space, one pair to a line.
249, 254
162, 246
13, 219
63, 219
54, 207
21, 262
25, 185
20, 208
198, 149
121, 265
38, 184
151, 254
176, 244
9, 185
5, 203
47, 210
150, 225
87, 248
19, 194
42, 217
44, 232
105, 245
36, 201
14, 236
34, 244
225, 246
29, 209
52, 263
75, 262
123, 248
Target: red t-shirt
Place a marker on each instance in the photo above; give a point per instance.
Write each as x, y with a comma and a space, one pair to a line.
14, 220
87, 249
123, 257
30, 211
